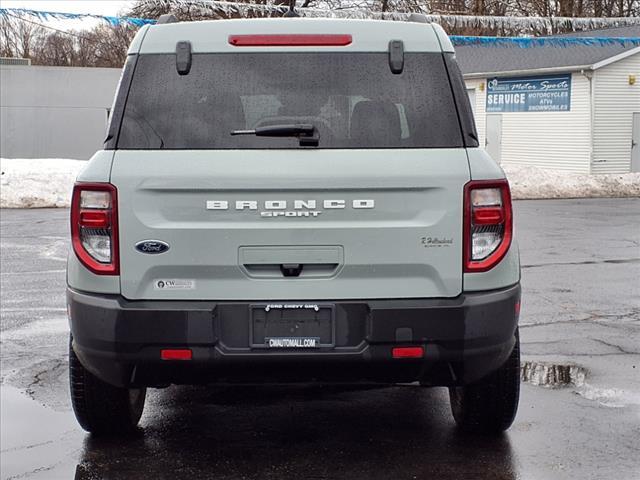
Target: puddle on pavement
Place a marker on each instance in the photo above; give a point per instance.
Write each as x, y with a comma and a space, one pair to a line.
558, 375
36, 441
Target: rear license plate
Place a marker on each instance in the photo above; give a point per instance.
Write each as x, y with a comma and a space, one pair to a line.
292, 326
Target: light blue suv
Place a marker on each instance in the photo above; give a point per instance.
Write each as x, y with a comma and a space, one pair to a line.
292, 200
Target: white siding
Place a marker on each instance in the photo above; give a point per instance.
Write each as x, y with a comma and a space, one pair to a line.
614, 102
479, 105
54, 112
556, 140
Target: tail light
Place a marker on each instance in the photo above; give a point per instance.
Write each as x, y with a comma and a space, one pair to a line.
94, 227
488, 224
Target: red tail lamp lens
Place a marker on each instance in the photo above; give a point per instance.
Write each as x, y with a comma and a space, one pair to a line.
407, 352
488, 224
297, 40
94, 227
94, 219
487, 216
176, 354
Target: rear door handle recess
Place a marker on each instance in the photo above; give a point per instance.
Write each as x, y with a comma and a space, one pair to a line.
291, 261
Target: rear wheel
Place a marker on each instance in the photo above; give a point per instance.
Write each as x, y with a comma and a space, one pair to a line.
101, 408
490, 405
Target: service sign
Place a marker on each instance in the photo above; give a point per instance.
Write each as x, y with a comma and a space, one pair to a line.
545, 93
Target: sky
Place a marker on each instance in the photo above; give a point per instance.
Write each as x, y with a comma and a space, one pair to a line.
98, 7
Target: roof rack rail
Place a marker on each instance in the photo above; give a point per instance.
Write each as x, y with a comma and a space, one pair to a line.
167, 18
418, 18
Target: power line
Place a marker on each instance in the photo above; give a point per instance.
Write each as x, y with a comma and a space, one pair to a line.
43, 15
50, 28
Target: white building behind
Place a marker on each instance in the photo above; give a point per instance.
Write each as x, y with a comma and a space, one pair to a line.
591, 124
54, 112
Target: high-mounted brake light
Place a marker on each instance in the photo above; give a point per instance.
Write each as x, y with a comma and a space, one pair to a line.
291, 40
488, 224
94, 227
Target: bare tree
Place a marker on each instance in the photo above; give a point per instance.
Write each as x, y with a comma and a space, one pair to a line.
103, 46
578, 8
187, 11
109, 44
106, 45
55, 49
17, 38
191, 11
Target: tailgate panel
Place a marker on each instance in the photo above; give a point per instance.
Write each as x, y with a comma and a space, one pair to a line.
402, 239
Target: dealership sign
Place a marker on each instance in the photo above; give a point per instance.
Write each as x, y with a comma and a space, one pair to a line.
545, 93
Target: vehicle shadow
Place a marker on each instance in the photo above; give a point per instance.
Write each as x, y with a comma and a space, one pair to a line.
310, 432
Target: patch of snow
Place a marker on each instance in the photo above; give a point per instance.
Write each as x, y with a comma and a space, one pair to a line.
37, 182
47, 182
528, 182
609, 397
554, 375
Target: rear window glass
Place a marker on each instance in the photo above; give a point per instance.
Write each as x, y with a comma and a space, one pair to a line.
353, 100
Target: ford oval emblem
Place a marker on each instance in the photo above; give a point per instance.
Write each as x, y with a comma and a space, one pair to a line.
152, 246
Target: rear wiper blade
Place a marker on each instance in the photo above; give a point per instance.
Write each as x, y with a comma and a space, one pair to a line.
305, 132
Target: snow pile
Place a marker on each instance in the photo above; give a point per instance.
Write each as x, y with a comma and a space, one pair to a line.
534, 182
609, 397
47, 182
37, 182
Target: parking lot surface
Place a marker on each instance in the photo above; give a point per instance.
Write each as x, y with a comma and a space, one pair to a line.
581, 306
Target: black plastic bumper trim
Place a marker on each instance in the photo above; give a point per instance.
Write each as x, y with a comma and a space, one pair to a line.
465, 338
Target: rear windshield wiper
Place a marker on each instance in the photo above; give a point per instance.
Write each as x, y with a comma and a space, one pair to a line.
305, 132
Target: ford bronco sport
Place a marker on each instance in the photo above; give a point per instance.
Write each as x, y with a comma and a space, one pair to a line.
292, 200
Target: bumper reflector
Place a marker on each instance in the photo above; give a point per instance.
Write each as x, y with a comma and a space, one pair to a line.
175, 354
407, 352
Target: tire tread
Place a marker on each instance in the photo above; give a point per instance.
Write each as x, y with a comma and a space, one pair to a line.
489, 406
100, 408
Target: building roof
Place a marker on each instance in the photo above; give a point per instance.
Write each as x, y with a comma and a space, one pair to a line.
490, 59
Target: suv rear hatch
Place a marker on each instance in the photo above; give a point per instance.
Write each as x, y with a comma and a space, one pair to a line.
373, 211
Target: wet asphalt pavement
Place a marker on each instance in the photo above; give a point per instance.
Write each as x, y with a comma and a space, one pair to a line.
581, 305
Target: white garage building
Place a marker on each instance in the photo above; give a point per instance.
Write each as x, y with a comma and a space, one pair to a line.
572, 107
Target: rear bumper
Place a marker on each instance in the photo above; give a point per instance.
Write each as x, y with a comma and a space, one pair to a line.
464, 339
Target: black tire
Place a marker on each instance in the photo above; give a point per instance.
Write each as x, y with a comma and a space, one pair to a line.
101, 408
490, 405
